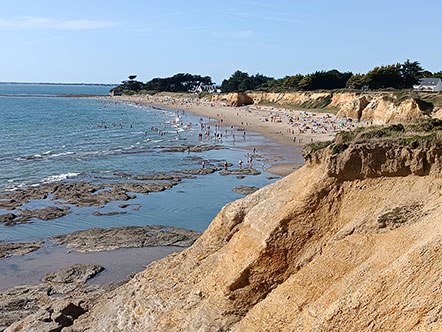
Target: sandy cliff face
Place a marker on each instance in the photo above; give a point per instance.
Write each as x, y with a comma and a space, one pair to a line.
350, 242
380, 108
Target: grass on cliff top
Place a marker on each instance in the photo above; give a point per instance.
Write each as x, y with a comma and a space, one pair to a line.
413, 134
318, 107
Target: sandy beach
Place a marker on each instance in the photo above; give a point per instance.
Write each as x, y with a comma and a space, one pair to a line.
290, 128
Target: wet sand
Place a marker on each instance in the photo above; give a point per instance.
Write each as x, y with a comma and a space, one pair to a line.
283, 169
118, 264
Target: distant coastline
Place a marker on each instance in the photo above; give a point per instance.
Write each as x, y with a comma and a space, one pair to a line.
65, 84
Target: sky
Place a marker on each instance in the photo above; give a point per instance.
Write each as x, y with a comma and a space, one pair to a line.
97, 41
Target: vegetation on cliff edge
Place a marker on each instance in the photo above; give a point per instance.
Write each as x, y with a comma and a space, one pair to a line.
414, 134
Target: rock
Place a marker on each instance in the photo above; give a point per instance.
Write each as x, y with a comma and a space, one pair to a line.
222, 165
105, 239
245, 190
241, 171
240, 177
46, 307
18, 249
113, 213
365, 160
80, 194
19, 197
19, 302
84, 194
273, 177
136, 207
78, 273
238, 99
141, 188
353, 109
8, 219
48, 213
169, 177
193, 148
198, 171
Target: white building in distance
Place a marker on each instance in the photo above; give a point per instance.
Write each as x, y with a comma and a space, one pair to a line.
429, 84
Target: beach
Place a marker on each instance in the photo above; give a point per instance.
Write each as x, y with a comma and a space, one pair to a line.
290, 129
278, 123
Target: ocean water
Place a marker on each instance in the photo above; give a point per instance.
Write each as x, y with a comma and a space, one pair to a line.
45, 138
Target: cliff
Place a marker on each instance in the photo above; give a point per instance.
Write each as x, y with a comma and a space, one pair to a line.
349, 242
379, 107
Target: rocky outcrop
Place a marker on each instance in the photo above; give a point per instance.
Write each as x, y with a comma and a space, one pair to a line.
245, 190
198, 171
386, 159
18, 248
193, 148
235, 99
54, 304
80, 194
78, 273
47, 213
106, 239
323, 249
240, 171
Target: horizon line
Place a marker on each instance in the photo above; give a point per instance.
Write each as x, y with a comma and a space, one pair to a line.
60, 83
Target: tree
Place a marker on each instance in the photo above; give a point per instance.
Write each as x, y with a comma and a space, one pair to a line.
272, 85
411, 73
357, 81
332, 79
292, 81
240, 82
437, 75
385, 77
180, 83
427, 74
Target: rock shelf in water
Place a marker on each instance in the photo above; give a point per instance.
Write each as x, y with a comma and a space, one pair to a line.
245, 190
18, 249
105, 239
85, 194
78, 273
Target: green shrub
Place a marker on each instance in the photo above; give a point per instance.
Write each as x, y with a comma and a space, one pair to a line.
415, 140
383, 132
345, 136
319, 145
339, 147
426, 125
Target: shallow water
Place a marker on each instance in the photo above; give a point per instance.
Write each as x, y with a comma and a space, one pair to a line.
118, 264
45, 139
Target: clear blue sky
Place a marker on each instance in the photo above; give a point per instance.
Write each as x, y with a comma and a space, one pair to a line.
104, 41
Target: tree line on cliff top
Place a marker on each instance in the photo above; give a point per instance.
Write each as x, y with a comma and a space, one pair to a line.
396, 76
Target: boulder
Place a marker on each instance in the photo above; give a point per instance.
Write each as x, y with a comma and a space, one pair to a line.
78, 273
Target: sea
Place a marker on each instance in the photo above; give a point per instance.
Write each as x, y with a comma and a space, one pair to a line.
46, 137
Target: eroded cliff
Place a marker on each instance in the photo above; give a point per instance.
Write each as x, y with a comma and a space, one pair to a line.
379, 107
349, 242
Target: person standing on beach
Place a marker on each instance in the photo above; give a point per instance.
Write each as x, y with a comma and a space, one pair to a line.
203, 164
240, 163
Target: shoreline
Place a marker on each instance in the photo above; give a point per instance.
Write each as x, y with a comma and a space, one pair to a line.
289, 129
251, 117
